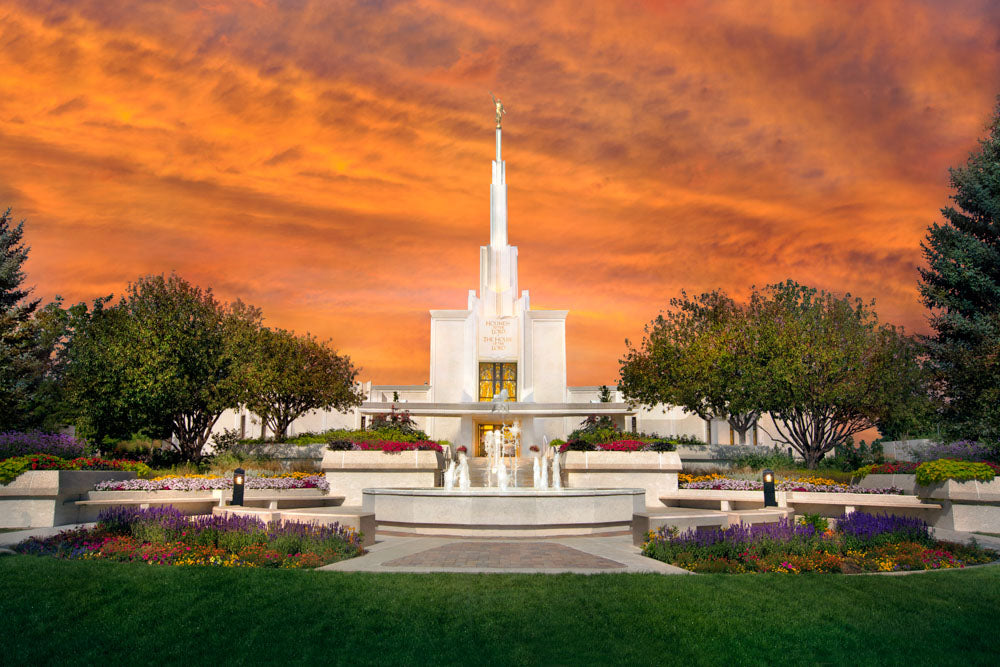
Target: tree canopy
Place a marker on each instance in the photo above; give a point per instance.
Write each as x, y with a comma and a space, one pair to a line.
162, 362
698, 355
289, 375
832, 370
961, 287
22, 355
822, 366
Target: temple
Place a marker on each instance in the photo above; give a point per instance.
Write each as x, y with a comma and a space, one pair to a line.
499, 348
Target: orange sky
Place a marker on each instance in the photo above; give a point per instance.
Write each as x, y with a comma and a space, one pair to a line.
330, 163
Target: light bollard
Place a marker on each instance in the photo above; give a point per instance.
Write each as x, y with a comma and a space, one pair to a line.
769, 499
239, 479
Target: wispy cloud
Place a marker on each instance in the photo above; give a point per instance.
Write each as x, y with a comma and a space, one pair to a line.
329, 162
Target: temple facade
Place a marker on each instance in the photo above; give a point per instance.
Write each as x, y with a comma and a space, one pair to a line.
498, 360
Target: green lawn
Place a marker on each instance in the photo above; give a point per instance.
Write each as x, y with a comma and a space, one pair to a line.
76, 612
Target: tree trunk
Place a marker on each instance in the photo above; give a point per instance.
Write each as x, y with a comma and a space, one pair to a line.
812, 458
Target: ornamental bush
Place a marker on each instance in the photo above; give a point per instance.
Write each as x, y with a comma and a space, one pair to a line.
14, 443
932, 472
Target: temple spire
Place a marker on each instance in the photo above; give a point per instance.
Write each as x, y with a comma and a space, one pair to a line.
498, 260
498, 188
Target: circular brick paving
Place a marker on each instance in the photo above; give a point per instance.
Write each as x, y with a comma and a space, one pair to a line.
501, 555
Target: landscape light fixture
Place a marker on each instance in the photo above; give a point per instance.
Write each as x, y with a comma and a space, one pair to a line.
769, 500
239, 478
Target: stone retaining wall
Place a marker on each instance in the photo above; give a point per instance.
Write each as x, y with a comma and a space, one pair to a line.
348, 472
656, 472
40, 498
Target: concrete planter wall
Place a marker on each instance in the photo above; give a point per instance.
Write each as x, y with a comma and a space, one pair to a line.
968, 506
202, 502
40, 498
656, 472
908, 483
348, 472
812, 502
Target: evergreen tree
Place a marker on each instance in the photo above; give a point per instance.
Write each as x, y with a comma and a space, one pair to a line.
961, 287
21, 359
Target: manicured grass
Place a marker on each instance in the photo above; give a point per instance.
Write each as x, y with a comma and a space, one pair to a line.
79, 612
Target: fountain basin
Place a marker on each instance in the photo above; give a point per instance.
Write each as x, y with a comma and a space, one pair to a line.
490, 512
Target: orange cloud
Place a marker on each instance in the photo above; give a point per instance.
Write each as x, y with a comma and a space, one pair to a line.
329, 162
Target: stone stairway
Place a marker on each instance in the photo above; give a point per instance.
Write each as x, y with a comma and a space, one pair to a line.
479, 472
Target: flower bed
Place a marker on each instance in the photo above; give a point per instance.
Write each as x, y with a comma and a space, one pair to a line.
619, 446
892, 468
387, 446
861, 543
392, 446
14, 443
165, 536
12, 467
717, 482
208, 483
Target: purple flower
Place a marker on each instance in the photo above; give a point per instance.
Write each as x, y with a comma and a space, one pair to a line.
14, 443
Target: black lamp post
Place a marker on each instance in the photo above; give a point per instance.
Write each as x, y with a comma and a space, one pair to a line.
769, 500
239, 478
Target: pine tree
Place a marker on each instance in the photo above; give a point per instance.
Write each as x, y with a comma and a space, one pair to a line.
961, 287
20, 357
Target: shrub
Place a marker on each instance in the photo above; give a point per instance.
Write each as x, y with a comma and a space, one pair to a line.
373, 434
758, 460
689, 440
577, 446
847, 456
931, 472
663, 446
819, 523
340, 445
228, 440
961, 450
14, 443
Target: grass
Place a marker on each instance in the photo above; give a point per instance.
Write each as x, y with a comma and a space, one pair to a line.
79, 612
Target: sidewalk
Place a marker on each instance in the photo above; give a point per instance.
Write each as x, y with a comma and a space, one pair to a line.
579, 555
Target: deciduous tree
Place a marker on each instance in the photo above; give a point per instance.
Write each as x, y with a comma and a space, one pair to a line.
162, 361
832, 370
289, 375
699, 355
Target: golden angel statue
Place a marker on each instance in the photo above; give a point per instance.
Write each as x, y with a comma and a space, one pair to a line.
500, 108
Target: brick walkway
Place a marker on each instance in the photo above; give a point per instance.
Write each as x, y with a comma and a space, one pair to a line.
504, 555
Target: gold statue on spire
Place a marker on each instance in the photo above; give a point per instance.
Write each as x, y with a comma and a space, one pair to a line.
500, 108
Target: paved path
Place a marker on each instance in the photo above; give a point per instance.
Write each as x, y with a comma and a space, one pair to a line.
582, 555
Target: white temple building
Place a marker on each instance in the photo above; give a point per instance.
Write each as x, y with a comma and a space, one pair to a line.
497, 343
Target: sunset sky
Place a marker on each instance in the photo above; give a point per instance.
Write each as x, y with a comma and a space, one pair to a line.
330, 162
